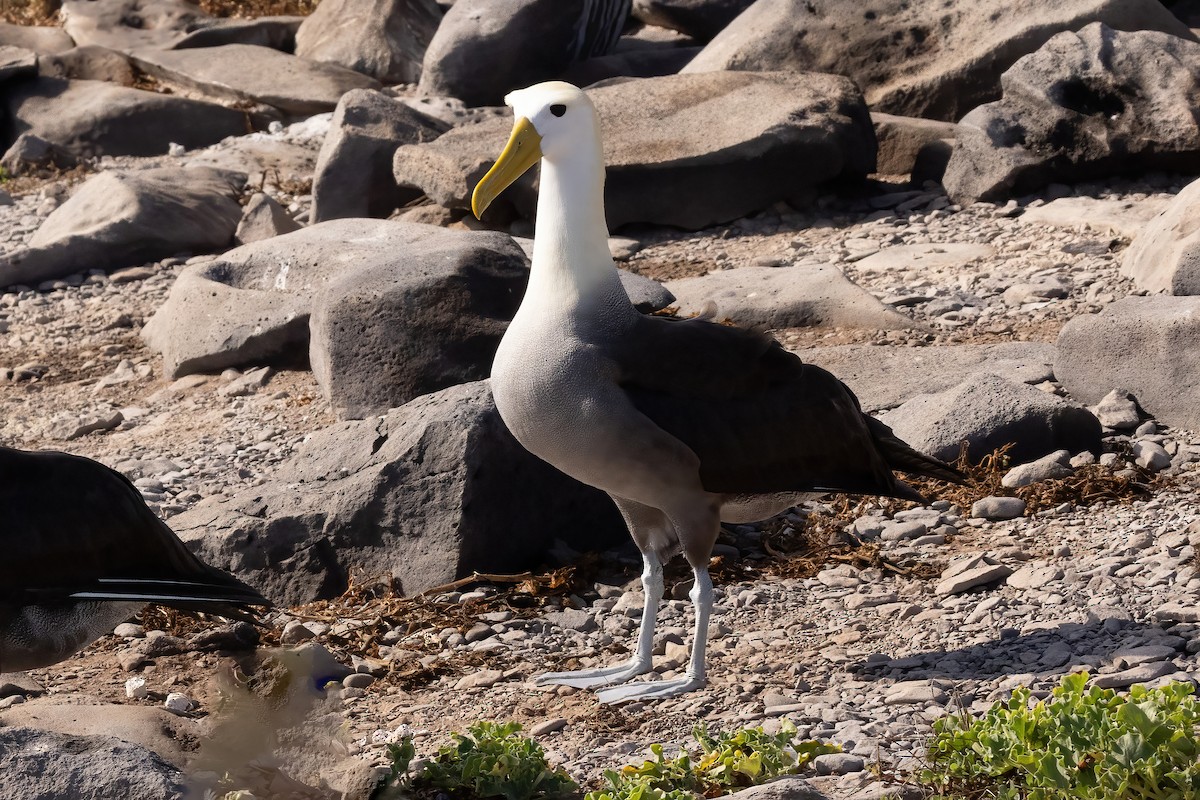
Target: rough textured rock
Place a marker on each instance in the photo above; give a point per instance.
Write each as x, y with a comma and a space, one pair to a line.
1087, 104
521, 41
29, 152
424, 493
93, 118
89, 63
702, 19
1165, 257
884, 376
732, 142
400, 327
901, 139
263, 218
987, 412
385, 39
40, 765
786, 297
254, 74
791, 787
120, 219
167, 735
130, 24
354, 168
1148, 345
43, 40
916, 58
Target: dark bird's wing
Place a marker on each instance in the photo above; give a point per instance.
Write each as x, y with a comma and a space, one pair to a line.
73, 529
759, 418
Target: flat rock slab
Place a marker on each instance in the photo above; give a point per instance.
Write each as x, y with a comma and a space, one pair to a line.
901, 140
1127, 218
440, 479
120, 219
1165, 257
255, 74
928, 256
972, 578
730, 142
988, 412
40, 765
43, 40
95, 118
884, 376
1149, 346
1143, 673
1087, 104
262, 158
786, 297
918, 58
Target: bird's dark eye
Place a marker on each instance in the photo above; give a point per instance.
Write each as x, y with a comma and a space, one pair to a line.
558, 109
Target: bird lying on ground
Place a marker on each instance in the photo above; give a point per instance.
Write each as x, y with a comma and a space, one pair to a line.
684, 423
83, 552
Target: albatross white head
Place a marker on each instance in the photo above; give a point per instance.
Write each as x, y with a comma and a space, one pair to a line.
556, 123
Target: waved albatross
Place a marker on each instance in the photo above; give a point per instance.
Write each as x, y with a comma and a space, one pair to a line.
684, 423
82, 552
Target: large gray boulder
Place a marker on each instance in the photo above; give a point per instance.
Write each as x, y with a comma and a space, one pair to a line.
253, 304
243, 72
427, 493
1086, 105
917, 58
700, 19
884, 376
121, 219
730, 142
94, 118
1147, 345
43, 40
902, 140
802, 296
41, 765
385, 39
484, 49
987, 412
354, 168
129, 25
1165, 256
396, 328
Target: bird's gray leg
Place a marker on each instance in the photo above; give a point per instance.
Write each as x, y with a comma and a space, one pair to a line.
697, 533
652, 586
695, 677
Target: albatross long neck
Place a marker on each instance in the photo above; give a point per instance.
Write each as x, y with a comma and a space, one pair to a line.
571, 261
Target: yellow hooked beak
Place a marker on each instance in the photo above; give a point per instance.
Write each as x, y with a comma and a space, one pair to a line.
523, 150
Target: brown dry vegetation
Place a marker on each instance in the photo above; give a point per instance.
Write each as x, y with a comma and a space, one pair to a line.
30, 12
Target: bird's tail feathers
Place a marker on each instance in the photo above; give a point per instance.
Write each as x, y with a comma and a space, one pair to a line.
232, 599
902, 457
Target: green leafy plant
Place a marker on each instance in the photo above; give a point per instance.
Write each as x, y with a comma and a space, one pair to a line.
1085, 743
727, 761
491, 760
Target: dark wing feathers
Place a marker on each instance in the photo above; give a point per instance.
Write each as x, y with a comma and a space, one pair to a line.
759, 418
75, 529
